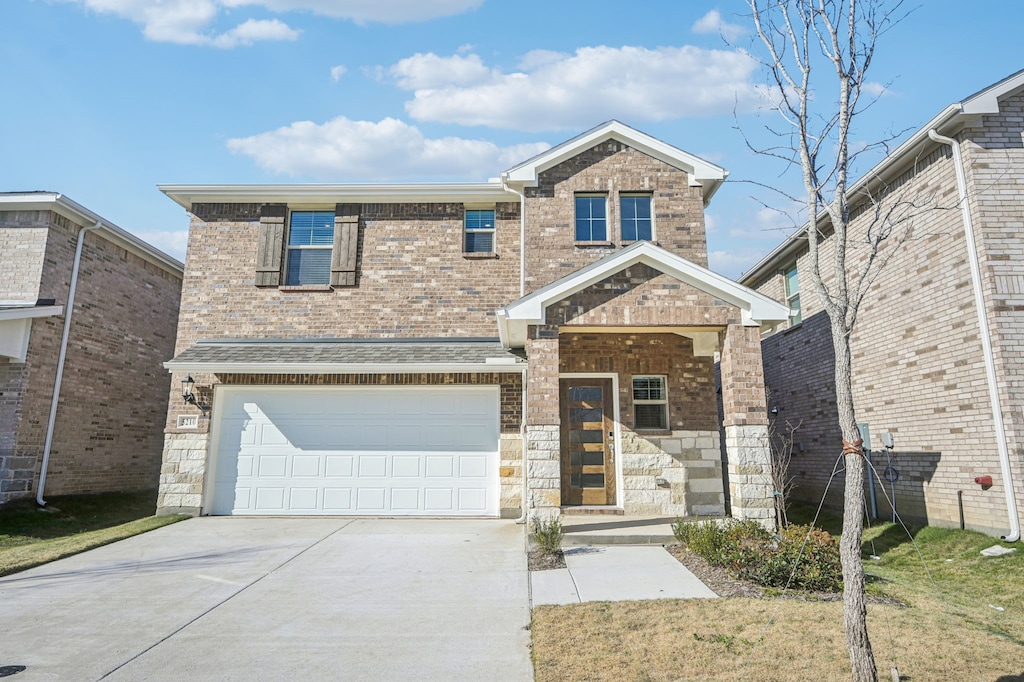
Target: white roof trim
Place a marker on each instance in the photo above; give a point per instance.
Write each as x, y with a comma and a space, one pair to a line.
26, 313
701, 172
340, 367
514, 318
323, 194
947, 121
75, 212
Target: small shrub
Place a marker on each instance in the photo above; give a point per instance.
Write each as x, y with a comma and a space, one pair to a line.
548, 534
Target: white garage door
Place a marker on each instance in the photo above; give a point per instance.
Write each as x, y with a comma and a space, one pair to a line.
363, 450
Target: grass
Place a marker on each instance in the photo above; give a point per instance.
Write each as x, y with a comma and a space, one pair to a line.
72, 524
948, 630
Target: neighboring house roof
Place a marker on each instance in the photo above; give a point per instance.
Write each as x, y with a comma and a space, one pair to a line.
15, 323
955, 117
756, 308
345, 356
701, 172
62, 205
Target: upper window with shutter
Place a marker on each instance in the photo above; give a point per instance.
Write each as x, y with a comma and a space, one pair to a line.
310, 242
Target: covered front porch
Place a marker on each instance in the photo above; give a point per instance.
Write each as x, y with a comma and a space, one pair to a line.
622, 401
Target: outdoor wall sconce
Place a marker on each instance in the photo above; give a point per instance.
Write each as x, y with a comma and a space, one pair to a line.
188, 395
774, 410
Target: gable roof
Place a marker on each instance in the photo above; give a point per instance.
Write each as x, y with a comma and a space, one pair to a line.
756, 308
954, 118
702, 173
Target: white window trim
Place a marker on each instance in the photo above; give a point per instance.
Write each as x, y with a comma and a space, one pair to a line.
302, 247
662, 401
654, 231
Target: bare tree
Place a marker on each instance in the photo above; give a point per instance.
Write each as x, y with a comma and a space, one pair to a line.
781, 440
836, 39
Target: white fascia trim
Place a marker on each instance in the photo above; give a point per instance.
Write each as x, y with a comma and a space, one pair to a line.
340, 368
757, 308
25, 313
60, 204
701, 172
323, 194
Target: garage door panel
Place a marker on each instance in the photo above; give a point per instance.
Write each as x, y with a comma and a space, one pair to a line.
372, 450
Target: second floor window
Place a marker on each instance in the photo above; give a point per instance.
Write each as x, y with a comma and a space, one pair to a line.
793, 295
591, 218
310, 239
636, 217
479, 231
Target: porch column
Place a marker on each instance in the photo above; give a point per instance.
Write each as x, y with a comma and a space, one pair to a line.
543, 439
746, 425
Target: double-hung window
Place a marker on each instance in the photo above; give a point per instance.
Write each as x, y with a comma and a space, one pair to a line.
650, 403
793, 295
479, 229
310, 240
635, 211
591, 218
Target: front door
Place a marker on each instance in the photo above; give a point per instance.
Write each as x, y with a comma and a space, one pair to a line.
588, 455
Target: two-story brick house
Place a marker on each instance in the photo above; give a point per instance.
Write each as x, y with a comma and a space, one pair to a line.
536, 342
938, 350
87, 315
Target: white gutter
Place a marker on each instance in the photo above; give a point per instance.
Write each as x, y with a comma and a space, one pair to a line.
55, 398
522, 233
986, 342
496, 365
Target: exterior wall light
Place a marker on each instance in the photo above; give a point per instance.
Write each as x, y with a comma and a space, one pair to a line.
187, 394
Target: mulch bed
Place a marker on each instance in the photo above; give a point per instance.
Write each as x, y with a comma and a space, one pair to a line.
539, 560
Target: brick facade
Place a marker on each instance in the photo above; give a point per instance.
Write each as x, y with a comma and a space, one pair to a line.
918, 367
114, 390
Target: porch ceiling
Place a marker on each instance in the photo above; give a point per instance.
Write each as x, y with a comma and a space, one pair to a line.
756, 309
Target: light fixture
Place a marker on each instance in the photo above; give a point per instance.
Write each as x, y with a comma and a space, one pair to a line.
774, 410
187, 394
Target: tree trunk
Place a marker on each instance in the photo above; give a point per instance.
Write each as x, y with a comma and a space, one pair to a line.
854, 599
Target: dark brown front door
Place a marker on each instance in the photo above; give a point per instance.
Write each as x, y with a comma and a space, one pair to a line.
588, 460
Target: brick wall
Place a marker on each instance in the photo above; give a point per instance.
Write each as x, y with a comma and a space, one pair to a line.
114, 391
22, 249
917, 363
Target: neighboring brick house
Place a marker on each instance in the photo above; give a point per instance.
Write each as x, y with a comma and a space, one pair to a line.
388, 350
921, 370
105, 431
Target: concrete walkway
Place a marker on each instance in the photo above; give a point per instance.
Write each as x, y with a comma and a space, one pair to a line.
616, 573
278, 599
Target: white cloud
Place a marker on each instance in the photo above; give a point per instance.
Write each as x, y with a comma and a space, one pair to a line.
337, 72
712, 22
172, 243
422, 71
875, 89
189, 22
342, 149
555, 91
734, 262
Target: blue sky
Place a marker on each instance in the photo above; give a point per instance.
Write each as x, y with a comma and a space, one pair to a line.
103, 99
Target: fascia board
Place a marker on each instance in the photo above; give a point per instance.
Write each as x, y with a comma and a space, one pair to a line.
60, 204
339, 368
531, 308
26, 313
322, 194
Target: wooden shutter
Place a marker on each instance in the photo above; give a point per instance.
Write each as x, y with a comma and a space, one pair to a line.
271, 246
346, 245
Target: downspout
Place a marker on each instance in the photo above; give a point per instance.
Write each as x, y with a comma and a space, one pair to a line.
522, 232
986, 342
54, 399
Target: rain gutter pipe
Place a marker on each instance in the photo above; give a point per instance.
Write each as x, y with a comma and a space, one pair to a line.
55, 398
986, 342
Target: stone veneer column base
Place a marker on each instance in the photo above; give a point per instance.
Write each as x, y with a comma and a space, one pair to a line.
544, 471
750, 479
182, 474
511, 475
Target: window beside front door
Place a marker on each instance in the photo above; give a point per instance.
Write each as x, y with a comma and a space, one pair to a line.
591, 218
650, 403
310, 241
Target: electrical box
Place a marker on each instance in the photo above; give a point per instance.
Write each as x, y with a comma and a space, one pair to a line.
888, 441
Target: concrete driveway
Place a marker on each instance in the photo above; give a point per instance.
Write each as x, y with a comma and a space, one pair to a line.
278, 599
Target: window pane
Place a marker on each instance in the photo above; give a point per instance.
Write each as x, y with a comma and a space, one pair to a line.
479, 242
792, 282
308, 266
651, 416
311, 228
592, 480
479, 219
794, 304
582, 414
648, 388
585, 393
593, 459
636, 218
591, 223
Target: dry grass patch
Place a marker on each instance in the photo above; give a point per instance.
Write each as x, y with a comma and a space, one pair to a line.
715, 640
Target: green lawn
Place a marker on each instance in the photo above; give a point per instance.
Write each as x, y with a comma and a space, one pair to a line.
30, 536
